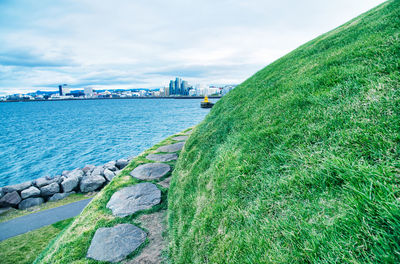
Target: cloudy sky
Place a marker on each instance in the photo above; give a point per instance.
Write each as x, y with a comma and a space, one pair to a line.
137, 43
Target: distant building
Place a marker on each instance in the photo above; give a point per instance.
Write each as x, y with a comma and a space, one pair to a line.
63, 90
184, 88
171, 87
88, 91
178, 86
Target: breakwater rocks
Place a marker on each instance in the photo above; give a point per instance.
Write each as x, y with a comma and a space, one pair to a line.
88, 179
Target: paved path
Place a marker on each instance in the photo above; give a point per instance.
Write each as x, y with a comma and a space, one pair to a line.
30, 222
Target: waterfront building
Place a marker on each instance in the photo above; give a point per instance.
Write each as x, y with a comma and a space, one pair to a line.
178, 86
88, 92
184, 88
171, 87
63, 90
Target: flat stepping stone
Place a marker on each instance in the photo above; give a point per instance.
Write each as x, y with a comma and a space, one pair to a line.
180, 138
162, 157
150, 171
171, 148
113, 244
135, 198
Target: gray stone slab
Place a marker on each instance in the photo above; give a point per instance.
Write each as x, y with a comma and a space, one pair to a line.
135, 198
150, 171
113, 244
162, 157
180, 138
171, 148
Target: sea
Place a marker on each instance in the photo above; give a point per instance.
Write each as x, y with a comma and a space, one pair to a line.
40, 139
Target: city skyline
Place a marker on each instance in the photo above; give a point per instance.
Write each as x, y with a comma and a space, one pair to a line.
133, 44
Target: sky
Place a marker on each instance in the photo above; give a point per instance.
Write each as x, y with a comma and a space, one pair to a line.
143, 44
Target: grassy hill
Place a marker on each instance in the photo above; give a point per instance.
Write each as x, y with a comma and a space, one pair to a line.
300, 163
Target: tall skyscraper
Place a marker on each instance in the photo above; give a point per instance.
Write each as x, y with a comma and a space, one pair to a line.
60, 90
184, 88
178, 85
172, 88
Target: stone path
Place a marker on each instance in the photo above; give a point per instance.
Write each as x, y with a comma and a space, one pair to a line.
180, 138
130, 200
171, 148
24, 224
150, 171
162, 157
116, 243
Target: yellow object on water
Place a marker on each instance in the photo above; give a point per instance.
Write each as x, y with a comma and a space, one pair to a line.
205, 99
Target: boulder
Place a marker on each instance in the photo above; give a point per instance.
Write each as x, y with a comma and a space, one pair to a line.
171, 148
17, 187
88, 168
46, 181
91, 183
10, 199
1, 193
150, 171
65, 173
131, 199
69, 184
109, 175
59, 196
162, 157
114, 244
50, 189
30, 202
98, 170
30, 192
121, 163
110, 166
78, 173
180, 138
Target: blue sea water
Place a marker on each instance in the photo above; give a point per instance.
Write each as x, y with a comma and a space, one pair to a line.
44, 138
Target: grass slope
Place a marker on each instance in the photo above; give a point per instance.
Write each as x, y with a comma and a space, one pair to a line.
72, 244
300, 163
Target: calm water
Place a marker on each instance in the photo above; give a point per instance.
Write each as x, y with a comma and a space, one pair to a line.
44, 138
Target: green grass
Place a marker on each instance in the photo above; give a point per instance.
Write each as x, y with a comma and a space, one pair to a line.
23, 249
300, 163
14, 213
72, 244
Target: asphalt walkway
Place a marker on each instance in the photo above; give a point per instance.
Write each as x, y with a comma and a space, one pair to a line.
26, 223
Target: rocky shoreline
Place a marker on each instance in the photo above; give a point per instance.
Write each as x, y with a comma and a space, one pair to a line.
88, 179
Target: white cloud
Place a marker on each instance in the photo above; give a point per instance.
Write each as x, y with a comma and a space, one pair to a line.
125, 43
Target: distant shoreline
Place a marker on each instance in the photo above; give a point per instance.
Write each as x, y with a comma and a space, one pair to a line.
123, 98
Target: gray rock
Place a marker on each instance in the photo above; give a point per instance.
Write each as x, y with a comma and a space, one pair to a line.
69, 184
189, 132
131, 199
98, 170
1, 193
45, 181
171, 148
180, 138
50, 189
65, 173
150, 171
110, 165
88, 168
10, 199
121, 163
30, 202
78, 173
109, 175
17, 187
59, 196
30, 192
162, 157
113, 244
91, 183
